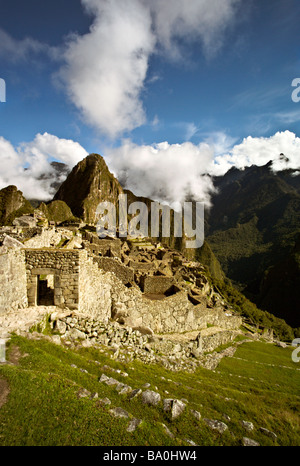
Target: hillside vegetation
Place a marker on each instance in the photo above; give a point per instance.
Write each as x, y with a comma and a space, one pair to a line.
51, 395
254, 228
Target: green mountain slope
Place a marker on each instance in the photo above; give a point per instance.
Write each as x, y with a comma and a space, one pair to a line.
281, 285
253, 226
52, 396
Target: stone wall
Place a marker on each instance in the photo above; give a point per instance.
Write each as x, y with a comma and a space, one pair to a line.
107, 264
105, 247
218, 318
47, 237
64, 265
210, 342
79, 284
94, 289
142, 266
172, 314
13, 287
157, 284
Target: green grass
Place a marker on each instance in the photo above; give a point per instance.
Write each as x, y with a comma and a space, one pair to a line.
260, 384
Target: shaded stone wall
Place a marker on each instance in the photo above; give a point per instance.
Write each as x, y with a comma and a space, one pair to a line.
210, 342
172, 314
13, 294
156, 284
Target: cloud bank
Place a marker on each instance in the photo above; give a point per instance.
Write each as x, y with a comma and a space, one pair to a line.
259, 151
170, 173
164, 172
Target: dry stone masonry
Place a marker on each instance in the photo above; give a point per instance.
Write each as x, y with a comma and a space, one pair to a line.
140, 298
63, 266
13, 285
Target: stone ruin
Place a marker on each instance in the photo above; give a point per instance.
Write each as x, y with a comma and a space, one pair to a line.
134, 282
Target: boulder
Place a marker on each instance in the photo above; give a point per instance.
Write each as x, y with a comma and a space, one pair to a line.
119, 412
74, 334
174, 407
216, 425
104, 401
247, 425
196, 414
25, 221
281, 344
133, 424
135, 393
247, 442
167, 431
83, 393
269, 433
103, 378
60, 326
150, 397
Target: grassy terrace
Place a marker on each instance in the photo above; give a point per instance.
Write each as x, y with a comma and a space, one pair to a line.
40, 403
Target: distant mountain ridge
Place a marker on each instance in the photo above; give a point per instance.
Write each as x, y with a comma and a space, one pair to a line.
252, 228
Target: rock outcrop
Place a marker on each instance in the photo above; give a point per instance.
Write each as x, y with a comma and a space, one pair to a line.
56, 211
12, 204
89, 183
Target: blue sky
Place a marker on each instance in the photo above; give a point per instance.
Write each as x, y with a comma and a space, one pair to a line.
115, 79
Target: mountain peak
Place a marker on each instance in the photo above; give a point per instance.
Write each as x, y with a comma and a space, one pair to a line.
89, 183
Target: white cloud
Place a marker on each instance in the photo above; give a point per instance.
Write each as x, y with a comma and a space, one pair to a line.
25, 49
169, 172
204, 21
35, 156
105, 70
164, 172
49, 146
259, 151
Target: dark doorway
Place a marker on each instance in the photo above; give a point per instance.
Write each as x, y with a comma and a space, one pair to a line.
45, 290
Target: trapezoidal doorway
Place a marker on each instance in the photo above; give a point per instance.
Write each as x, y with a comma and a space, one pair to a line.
45, 290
